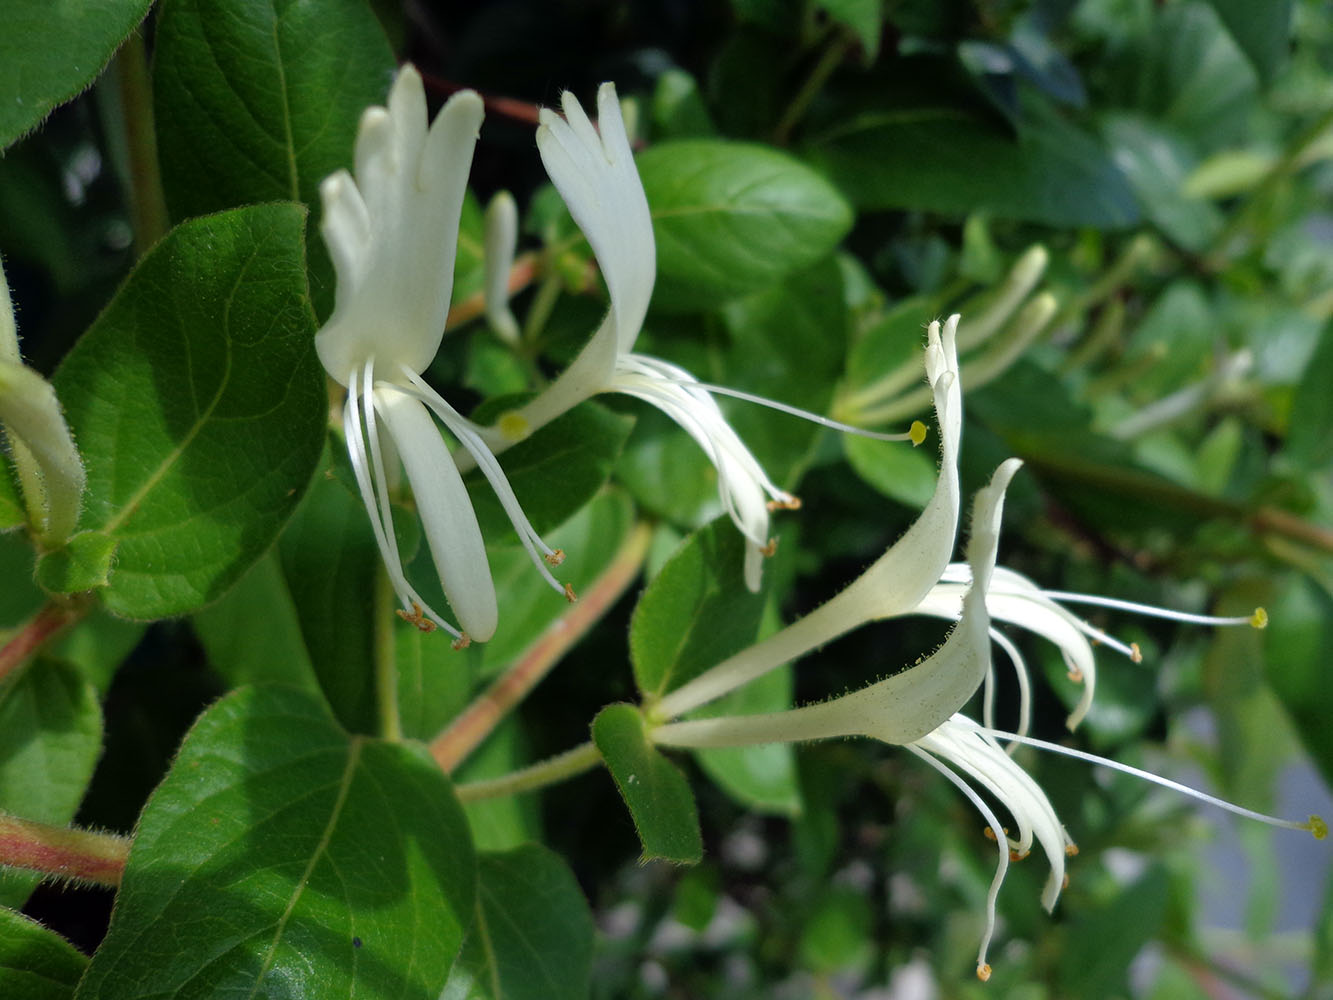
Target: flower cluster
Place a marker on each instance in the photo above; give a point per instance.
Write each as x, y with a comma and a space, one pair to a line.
392, 229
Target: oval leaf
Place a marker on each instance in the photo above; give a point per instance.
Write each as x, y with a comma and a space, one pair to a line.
532, 939
49, 52
35, 963
199, 407
732, 218
282, 858
657, 794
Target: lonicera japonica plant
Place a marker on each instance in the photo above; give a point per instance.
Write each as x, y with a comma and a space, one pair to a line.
486, 511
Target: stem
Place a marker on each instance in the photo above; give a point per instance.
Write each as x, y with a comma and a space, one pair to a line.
522, 274
386, 658
828, 62
43, 626
583, 757
63, 852
477, 721
148, 205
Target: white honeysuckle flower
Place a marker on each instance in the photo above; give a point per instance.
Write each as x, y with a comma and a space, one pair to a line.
392, 232
893, 585
595, 174
50, 471
1016, 599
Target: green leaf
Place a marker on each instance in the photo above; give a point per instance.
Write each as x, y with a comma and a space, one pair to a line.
1296, 655
732, 218
35, 963
1310, 435
787, 344
243, 654
329, 563
532, 939
837, 933
50, 52
554, 472
695, 613
895, 468
281, 857
1156, 163
590, 541
762, 778
199, 407
864, 17
83, 564
50, 739
946, 155
657, 794
1262, 30
1103, 941
258, 100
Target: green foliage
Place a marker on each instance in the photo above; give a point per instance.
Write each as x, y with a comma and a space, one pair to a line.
715, 204
35, 963
282, 854
196, 400
50, 53
657, 794
695, 613
532, 937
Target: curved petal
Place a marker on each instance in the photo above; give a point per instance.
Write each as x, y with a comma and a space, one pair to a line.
446, 511
393, 231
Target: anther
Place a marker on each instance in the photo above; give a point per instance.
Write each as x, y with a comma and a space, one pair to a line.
1318, 827
983, 972
1064, 883
1259, 619
463, 641
570, 596
989, 832
1076, 675
1071, 850
771, 549
789, 502
1018, 855
416, 617
916, 433
1135, 653
556, 557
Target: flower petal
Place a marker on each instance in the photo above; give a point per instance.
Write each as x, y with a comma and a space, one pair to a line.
446, 511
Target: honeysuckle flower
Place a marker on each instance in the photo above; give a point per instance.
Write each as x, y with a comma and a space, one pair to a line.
50, 471
596, 176
1014, 598
893, 585
918, 709
392, 232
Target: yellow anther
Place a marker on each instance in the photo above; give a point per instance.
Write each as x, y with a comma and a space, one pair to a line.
1071, 849
1318, 827
570, 596
556, 557
983, 972
990, 834
1064, 883
1018, 855
1259, 619
789, 502
463, 641
916, 433
1076, 675
771, 549
417, 618
1135, 653
514, 426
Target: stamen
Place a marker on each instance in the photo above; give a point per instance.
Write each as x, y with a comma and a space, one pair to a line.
1135, 653
771, 549
916, 433
983, 973
417, 618
787, 502
1315, 825
462, 428
463, 641
570, 596
1257, 619
556, 557
381, 518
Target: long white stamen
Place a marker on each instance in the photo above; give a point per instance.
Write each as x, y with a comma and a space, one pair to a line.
914, 435
1021, 675
470, 439
371, 494
1001, 869
1313, 825
1258, 618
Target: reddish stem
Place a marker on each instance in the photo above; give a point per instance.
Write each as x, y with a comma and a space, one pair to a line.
63, 852
47, 623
